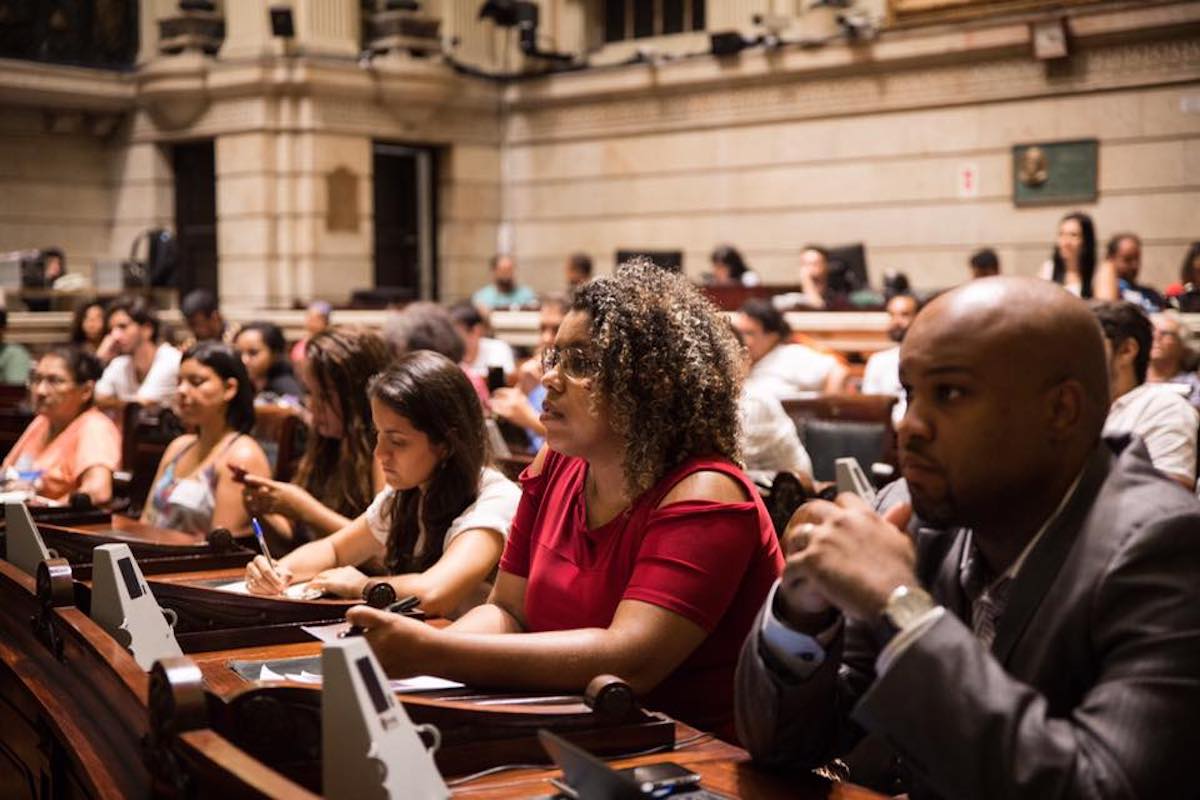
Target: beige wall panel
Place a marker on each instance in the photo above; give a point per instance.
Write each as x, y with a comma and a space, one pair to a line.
465, 162
142, 200
242, 194
467, 238
246, 153
142, 162
244, 236
1109, 115
324, 153
54, 159
83, 242
70, 203
469, 201
1159, 164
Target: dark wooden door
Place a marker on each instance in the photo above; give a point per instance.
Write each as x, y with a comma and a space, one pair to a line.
404, 220
196, 216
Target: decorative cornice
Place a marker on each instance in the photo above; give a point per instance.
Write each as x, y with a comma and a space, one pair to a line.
796, 97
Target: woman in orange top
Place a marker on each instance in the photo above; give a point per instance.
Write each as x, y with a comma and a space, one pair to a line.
70, 442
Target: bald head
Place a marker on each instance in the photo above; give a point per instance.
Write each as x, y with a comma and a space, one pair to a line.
1008, 386
1033, 324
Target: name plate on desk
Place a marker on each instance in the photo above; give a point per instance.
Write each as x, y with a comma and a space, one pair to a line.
123, 605
25, 548
370, 748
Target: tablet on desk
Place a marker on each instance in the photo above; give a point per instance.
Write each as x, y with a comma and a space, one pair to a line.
588, 778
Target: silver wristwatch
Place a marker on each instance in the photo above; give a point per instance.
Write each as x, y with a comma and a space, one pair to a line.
905, 605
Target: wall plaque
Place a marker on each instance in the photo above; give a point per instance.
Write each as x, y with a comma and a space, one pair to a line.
341, 209
1055, 173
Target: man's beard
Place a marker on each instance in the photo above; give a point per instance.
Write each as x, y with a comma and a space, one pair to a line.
505, 286
897, 334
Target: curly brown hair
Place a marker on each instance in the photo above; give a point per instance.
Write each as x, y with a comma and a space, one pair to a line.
668, 369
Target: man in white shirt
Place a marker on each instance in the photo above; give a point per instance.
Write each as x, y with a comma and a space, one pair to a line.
780, 368
143, 371
1157, 412
882, 375
481, 352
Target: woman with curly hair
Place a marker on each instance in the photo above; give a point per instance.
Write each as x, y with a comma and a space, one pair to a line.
639, 548
338, 476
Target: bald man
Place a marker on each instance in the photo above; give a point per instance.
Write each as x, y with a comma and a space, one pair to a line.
1023, 617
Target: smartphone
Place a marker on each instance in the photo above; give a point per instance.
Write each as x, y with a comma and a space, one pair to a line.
496, 379
661, 779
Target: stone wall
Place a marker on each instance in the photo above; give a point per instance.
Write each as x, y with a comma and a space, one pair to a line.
837, 145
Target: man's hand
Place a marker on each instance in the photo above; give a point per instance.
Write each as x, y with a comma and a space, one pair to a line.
401, 644
844, 554
513, 405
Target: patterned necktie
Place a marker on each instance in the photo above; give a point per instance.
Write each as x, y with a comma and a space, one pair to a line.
988, 598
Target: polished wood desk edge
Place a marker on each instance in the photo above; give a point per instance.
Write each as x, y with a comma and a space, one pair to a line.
221, 755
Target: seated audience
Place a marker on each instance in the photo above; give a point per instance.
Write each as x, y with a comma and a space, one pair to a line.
1028, 623
195, 489
316, 319
142, 370
14, 358
1186, 296
984, 263
1156, 412
641, 421
1170, 359
579, 270
441, 523
769, 440
729, 268
264, 352
503, 291
814, 279
203, 317
338, 474
1124, 253
1073, 263
70, 442
428, 326
882, 374
89, 333
480, 351
779, 367
522, 404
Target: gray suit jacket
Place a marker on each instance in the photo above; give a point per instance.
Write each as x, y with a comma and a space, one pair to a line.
1091, 688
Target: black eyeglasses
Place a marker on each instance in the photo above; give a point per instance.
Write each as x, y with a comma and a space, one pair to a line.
570, 361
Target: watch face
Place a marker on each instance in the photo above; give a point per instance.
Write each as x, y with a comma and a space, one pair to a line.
906, 604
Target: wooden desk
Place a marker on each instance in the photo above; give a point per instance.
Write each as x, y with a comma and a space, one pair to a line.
89, 722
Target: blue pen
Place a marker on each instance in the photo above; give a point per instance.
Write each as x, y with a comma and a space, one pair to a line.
262, 540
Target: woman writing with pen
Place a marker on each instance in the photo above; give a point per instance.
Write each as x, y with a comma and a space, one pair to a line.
196, 487
441, 523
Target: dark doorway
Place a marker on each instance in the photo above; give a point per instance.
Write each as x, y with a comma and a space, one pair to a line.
405, 223
195, 216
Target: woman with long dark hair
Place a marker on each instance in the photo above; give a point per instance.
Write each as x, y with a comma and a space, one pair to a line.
729, 268
442, 521
1073, 263
195, 489
88, 330
264, 352
338, 475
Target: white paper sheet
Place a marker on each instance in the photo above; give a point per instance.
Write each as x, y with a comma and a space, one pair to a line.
297, 591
